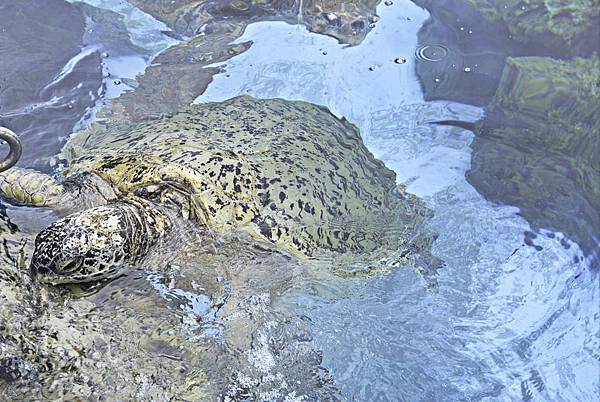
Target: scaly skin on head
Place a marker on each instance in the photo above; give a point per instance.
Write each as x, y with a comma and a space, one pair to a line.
98, 243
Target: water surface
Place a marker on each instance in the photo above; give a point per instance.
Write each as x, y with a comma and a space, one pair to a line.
508, 321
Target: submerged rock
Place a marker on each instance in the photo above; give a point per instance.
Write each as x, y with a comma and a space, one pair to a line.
475, 53
544, 27
538, 146
148, 337
208, 28
176, 78
481, 34
346, 21
557, 26
178, 75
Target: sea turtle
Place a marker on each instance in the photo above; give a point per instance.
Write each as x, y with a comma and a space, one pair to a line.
289, 173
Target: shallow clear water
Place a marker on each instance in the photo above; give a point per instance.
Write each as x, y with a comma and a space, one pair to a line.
112, 42
506, 322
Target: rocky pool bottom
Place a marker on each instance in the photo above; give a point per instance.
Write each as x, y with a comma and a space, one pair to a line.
165, 331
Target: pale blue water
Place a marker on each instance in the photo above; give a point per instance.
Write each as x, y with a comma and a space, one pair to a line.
508, 322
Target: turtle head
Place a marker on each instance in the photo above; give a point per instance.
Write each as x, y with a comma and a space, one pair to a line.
95, 244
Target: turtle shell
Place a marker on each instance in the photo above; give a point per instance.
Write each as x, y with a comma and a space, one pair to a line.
289, 172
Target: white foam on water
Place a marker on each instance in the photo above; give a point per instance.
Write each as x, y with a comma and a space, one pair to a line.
508, 321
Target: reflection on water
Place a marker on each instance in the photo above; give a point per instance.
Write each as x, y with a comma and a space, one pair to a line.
512, 318
125, 38
61, 62
509, 320
42, 94
536, 148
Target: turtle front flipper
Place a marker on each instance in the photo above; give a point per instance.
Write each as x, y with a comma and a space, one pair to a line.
31, 188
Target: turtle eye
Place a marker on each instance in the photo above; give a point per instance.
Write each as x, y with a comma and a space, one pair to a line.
71, 265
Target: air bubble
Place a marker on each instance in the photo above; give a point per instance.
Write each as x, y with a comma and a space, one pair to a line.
431, 53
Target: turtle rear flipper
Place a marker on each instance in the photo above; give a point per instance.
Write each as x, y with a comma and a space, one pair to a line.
31, 188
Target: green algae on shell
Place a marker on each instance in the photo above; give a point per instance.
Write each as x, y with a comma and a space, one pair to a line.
290, 172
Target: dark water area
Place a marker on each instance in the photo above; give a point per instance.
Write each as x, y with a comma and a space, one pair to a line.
543, 156
42, 96
464, 40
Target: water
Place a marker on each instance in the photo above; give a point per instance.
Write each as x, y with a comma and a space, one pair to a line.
64, 65
127, 40
507, 321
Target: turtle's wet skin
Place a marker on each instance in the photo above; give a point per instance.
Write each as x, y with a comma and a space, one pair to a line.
98, 243
290, 174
